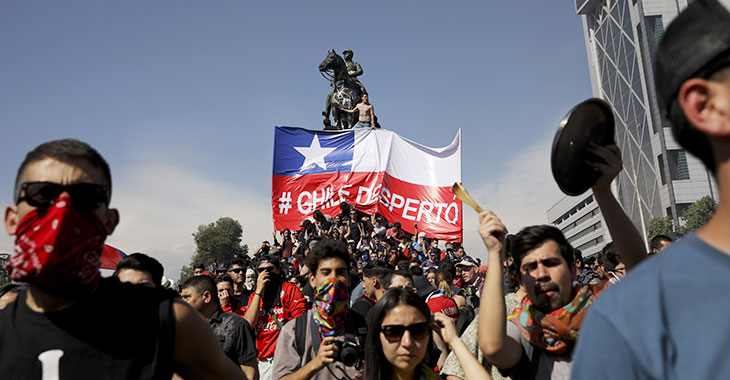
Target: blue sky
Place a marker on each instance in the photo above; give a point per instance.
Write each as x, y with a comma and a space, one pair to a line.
181, 97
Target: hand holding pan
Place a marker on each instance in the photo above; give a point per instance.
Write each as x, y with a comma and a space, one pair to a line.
461, 193
590, 121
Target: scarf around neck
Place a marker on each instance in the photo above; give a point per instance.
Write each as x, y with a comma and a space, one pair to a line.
558, 330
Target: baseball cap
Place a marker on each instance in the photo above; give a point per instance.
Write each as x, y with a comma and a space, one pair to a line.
467, 262
421, 234
696, 44
221, 268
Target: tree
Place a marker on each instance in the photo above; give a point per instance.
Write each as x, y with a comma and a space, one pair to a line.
218, 242
659, 226
698, 213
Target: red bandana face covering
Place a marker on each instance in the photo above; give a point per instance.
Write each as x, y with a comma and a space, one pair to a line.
58, 249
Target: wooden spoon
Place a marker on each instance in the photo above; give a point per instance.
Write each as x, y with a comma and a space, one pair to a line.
461, 193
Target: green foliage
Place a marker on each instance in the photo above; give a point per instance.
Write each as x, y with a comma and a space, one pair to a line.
217, 242
659, 226
697, 214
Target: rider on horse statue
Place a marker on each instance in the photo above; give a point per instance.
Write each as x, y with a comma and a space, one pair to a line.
346, 90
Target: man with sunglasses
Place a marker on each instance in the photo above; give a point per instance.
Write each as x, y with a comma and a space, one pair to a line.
274, 303
70, 321
306, 348
237, 271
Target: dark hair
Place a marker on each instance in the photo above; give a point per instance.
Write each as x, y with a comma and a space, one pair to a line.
327, 249
610, 258
656, 241
374, 268
201, 266
66, 150
578, 256
431, 270
449, 267
445, 275
141, 262
396, 224
415, 271
402, 265
272, 259
224, 278
377, 367
533, 237
202, 284
687, 135
511, 275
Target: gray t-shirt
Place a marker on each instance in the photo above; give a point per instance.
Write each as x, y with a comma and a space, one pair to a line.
549, 366
287, 359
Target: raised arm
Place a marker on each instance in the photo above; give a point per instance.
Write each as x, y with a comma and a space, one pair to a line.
499, 348
252, 312
626, 238
473, 370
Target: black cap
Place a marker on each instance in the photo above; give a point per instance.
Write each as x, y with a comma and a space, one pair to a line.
423, 286
696, 44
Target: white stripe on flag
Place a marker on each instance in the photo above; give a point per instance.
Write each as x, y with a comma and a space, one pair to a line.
382, 150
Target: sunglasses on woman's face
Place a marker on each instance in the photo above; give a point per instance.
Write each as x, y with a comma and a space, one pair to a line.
85, 196
394, 333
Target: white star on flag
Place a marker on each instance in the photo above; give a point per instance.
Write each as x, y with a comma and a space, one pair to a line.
314, 154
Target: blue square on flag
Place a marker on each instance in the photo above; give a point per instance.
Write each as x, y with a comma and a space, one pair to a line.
299, 151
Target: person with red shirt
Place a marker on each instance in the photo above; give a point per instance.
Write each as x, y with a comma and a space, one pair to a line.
274, 303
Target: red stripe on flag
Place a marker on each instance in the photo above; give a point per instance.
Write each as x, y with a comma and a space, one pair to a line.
435, 209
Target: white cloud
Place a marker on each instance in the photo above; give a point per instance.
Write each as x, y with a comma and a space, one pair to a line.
520, 196
162, 204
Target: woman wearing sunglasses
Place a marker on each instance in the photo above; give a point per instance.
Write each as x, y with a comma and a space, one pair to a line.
399, 339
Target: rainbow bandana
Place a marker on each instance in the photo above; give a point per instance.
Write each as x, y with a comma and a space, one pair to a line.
330, 306
558, 330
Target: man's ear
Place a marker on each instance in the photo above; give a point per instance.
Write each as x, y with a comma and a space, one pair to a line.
112, 219
11, 219
311, 280
207, 297
706, 105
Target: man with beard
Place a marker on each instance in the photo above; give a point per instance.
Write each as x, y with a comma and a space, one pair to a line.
274, 303
536, 341
307, 347
71, 322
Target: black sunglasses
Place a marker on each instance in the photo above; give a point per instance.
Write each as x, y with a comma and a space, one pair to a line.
85, 196
393, 333
236, 270
266, 269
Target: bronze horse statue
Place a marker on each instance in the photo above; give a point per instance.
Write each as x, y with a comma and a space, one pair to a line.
346, 92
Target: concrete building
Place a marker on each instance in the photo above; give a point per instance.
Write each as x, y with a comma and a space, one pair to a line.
581, 222
659, 178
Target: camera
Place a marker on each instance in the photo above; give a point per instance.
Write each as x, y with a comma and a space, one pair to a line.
350, 353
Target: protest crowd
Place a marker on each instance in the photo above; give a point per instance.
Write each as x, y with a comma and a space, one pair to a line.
354, 296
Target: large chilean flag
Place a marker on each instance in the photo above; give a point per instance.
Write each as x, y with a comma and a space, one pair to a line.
373, 169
